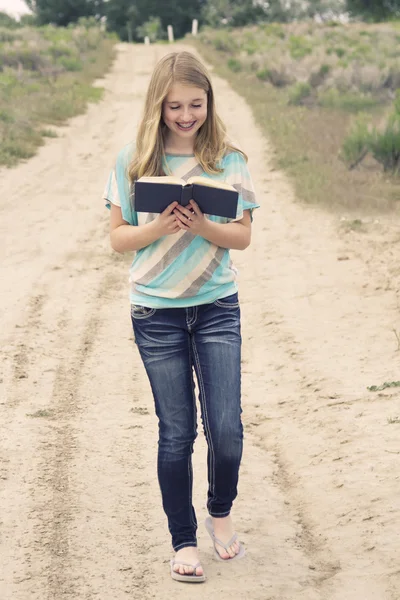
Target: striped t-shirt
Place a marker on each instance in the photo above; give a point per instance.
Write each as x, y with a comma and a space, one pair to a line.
181, 269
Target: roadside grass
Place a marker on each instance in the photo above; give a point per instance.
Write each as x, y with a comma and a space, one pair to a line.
307, 101
46, 77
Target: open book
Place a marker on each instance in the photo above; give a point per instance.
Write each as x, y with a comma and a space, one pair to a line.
154, 194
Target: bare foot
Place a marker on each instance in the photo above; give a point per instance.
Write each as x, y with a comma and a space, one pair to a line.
190, 555
224, 531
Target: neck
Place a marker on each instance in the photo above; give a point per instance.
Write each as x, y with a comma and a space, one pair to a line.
174, 144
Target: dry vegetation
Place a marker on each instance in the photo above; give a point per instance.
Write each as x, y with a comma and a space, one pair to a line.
325, 94
46, 77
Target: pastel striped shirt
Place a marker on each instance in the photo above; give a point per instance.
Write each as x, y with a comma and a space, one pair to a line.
181, 269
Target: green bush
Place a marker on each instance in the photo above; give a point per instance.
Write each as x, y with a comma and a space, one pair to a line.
299, 92
70, 64
357, 143
224, 42
318, 77
234, 65
385, 145
299, 46
263, 74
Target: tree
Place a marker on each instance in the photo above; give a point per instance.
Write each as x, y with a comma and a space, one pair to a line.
377, 10
124, 16
7, 21
235, 12
63, 12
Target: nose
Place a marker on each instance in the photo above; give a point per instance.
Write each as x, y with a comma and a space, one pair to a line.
186, 115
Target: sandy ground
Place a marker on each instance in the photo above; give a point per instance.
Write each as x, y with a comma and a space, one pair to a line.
80, 510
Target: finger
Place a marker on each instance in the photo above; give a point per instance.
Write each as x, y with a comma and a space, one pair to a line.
185, 211
182, 226
195, 208
170, 209
182, 218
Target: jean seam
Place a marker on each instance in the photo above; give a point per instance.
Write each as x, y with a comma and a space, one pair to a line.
225, 514
194, 433
206, 422
185, 545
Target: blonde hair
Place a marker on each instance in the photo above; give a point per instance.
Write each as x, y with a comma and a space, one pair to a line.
210, 144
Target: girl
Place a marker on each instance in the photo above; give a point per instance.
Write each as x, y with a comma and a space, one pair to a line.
184, 303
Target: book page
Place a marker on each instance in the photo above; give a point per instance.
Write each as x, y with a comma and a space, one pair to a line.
163, 179
211, 183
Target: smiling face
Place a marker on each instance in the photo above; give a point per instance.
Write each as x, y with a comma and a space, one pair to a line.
184, 112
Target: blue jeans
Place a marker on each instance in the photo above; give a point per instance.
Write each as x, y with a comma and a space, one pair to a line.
171, 342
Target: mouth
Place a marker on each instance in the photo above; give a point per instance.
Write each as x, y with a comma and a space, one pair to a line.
186, 126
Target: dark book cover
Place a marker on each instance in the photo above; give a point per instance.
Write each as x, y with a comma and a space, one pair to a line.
155, 197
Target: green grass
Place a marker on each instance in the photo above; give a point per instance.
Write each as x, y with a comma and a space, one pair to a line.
46, 78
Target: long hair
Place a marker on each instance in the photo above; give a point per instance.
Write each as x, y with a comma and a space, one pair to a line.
210, 143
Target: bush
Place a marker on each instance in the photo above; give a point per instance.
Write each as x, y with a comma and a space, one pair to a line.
299, 47
356, 145
318, 77
299, 93
385, 145
70, 64
234, 65
263, 74
224, 42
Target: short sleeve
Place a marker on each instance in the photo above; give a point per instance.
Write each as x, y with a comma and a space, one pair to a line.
238, 175
118, 187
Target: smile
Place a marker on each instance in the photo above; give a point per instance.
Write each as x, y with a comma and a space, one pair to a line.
186, 127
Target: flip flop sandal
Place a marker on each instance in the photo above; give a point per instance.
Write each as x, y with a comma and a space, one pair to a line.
188, 577
241, 553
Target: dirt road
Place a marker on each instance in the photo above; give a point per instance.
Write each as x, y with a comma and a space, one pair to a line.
80, 510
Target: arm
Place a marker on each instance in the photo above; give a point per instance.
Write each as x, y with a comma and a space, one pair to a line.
236, 236
125, 237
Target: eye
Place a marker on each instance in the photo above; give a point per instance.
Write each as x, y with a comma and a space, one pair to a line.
174, 107
196, 105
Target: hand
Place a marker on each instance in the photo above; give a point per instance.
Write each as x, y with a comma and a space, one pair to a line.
191, 218
166, 222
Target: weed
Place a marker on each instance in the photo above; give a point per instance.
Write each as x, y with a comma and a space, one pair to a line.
383, 386
42, 413
393, 420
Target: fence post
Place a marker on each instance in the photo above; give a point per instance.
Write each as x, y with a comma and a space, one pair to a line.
170, 33
147, 40
195, 25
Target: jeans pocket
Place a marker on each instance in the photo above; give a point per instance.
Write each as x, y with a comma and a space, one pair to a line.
141, 312
228, 302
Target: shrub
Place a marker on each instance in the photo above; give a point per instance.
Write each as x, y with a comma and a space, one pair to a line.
299, 46
356, 145
70, 64
234, 65
318, 77
224, 42
299, 93
385, 145
263, 74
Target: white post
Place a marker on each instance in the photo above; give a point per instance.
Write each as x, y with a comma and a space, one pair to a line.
147, 40
170, 33
195, 26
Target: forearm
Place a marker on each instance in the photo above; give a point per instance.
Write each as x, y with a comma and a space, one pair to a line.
234, 236
133, 237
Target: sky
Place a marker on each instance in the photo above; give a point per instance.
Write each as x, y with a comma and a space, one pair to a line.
14, 7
